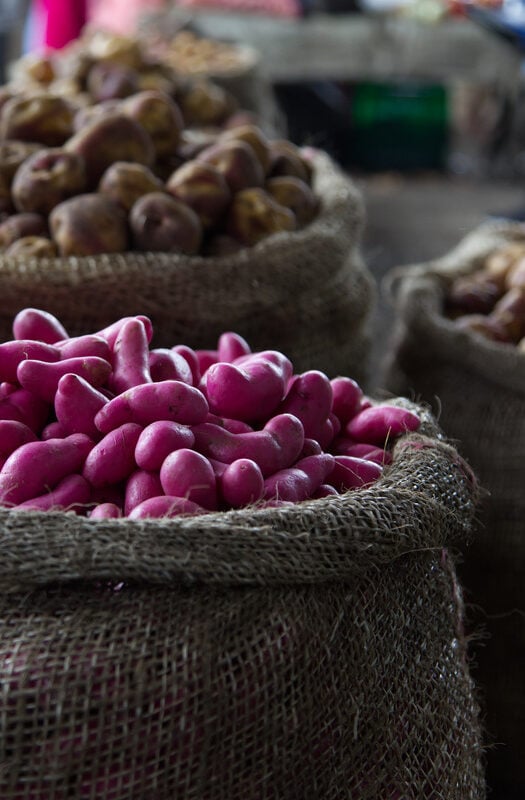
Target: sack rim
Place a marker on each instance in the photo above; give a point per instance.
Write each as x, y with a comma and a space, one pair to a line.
428, 485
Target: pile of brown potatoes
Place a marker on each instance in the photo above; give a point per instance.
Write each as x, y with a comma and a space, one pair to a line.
105, 148
491, 300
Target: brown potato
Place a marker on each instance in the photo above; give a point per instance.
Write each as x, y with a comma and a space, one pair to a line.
236, 161
286, 159
160, 116
32, 247
87, 114
18, 225
37, 67
46, 178
109, 138
203, 188
109, 81
103, 45
254, 136
13, 154
499, 262
156, 78
160, 223
88, 224
473, 294
124, 182
295, 194
509, 312
37, 117
254, 214
205, 103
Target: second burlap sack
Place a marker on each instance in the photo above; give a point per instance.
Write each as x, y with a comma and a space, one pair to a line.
306, 293
477, 388
314, 651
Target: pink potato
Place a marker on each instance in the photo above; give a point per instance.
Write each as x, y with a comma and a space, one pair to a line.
353, 473
140, 486
275, 447
276, 358
232, 346
311, 447
55, 430
7, 388
25, 407
248, 392
325, 490
192, 359
165, 400
105, 511
158, 440
167, 365
241, 483
130, 357
344, 446
186, 473
309, 397
328, 431
80, 346
42, 378
72, 493
111, 332
34, 323
205, 360
13, 434
232, 425
165, 506
379, 424
17, 350
37, 467
113, 458
76, 404
347, 396
299, 482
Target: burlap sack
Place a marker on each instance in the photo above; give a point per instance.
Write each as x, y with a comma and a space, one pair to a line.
307, 293
308, 652
478, 389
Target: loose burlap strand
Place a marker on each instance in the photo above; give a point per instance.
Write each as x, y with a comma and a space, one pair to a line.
478, 389
308, 652
306, 293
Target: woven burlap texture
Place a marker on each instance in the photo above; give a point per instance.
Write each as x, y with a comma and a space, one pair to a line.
307, 293
478, 389
308, 652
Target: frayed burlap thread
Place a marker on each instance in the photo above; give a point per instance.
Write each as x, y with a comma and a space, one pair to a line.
478, 389
307, 652
307, 293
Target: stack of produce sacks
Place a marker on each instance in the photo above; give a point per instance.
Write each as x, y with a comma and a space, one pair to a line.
459, 346
119, 202
304, 639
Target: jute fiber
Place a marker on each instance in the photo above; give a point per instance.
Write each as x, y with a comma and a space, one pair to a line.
306, 293
308, 652
478, 389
